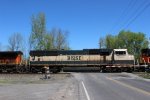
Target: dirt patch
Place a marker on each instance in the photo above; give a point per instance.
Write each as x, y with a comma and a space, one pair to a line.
31, 78
34, 87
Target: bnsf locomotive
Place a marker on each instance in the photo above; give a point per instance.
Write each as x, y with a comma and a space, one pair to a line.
11, 61
108, 60
145, 59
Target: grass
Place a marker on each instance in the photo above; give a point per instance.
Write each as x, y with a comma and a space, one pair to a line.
143, 74
5, 81
17, 82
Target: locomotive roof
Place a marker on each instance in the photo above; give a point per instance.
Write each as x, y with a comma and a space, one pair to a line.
10, 53
70, 52
145, 50
120, 49
55, 52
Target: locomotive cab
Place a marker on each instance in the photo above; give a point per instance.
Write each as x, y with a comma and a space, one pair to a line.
121, 56
122, 60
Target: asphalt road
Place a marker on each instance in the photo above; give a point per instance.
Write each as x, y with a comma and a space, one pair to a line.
74, 86
112, 86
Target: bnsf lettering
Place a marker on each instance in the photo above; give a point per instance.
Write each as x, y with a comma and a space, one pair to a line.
73, 57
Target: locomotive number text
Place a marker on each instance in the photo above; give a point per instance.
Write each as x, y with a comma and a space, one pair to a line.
73, 57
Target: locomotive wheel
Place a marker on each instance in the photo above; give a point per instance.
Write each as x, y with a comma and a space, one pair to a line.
131, 70
103, 69
9, 71
1, 71
54, 69
118, 70
108, 69
33, 70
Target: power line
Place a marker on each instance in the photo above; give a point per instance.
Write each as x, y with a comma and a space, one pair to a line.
138, 11
124, 12
142, 11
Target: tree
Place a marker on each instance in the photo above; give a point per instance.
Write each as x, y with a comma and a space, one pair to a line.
111, 41
41, 39
48, 42
102, 42
132, 41
36, 40
15, 42
59, 39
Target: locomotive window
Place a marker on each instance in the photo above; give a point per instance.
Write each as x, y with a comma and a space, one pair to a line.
38, 59
33, 58
120, 52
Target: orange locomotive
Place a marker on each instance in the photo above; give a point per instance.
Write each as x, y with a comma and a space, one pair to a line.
10, 61
145, 58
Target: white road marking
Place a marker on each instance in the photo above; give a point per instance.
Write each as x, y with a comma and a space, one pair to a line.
87, 95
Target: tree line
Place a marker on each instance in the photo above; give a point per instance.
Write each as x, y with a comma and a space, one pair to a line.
133, 41
43, 39
40, 37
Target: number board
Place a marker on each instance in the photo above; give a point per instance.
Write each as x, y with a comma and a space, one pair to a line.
76, 58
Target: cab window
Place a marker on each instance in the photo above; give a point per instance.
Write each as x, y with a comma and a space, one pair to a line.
120, 52
33, 58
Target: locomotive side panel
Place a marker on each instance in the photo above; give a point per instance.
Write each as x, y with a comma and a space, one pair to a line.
100, 59
19, 59
100, 56
145, 56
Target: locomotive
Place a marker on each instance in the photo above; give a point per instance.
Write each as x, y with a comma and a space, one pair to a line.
145, 59
107, 60
11, 61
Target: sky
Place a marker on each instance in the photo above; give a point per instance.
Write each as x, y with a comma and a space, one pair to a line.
86, 20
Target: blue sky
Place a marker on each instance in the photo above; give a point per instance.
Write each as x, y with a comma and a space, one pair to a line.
86, 20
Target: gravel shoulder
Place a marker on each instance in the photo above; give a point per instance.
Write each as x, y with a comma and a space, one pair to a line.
35, 87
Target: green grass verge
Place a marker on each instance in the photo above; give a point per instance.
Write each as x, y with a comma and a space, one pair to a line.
143, 74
